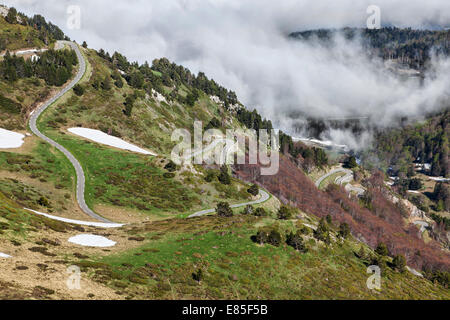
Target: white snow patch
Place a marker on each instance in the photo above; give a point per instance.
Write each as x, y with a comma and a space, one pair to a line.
413, 191
4, 255
103, 138
10, 139
78, 222
216, 99
323, 143
310, 226
423, 225
158, 96
439, 179
414, 272
91, 240
23, 52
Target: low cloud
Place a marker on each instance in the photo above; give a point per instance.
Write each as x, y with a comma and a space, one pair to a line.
244, 46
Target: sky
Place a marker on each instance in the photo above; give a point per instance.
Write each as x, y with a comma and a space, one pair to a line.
242, 44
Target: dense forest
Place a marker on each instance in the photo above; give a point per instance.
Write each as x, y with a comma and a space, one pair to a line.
409, 46
55, 67
423, 143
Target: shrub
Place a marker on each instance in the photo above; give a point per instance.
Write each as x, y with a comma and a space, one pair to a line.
43, 202
213, 124
129, 104
442, 277
344, 230
305, 230
198, 276
268, 235
9, 105
224, 176
192, 97
253, 190
262, 236
274, 238
399, 263
362, 253
441, 220
382, 250
171, 166
284, 213
106, 84
415, 184
169, 175
295, 241
249, 209
378, 261
210, 176
78, 90
351, 163
322, 232
119, 83
260, 212
224, 210
11, 16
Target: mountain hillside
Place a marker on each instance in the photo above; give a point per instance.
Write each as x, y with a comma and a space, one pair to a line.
181, 231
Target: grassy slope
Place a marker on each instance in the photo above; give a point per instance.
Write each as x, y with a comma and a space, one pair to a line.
173, 249
134, 181
18, 37
151, 123
16, 223
44, 163
120, 172
39, 167
26, 92
236, 268
121, 178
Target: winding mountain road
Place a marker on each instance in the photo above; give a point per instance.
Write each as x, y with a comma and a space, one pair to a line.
264, 196
81, 180
329, 174
346, 178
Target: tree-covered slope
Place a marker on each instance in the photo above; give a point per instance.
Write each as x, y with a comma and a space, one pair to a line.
409, 46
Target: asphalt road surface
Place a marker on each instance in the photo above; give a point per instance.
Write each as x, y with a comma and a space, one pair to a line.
81, 180
347, 178
264, 196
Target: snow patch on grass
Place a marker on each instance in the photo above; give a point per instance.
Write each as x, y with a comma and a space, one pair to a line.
10, 139
90, 240
439, 179
78, 222
106, 139
414, 272
4, 255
